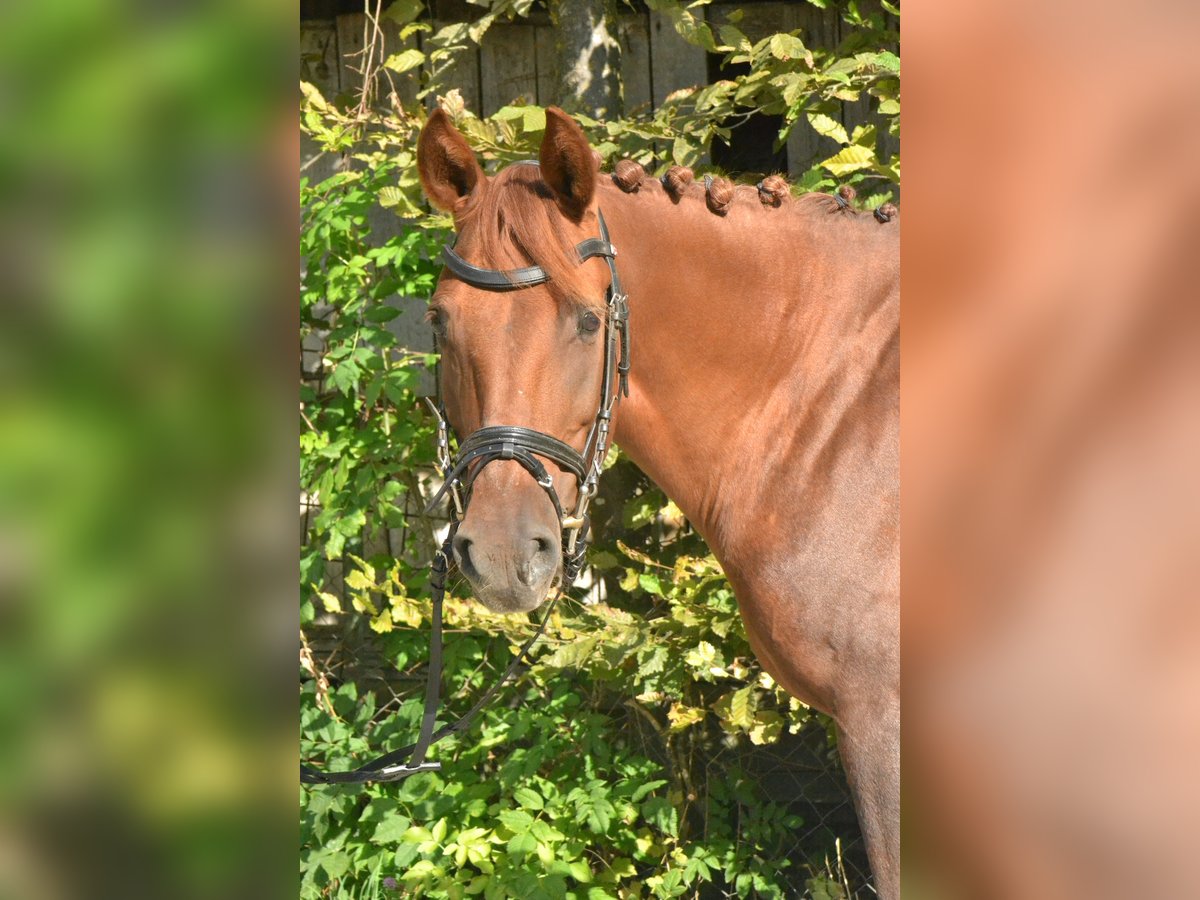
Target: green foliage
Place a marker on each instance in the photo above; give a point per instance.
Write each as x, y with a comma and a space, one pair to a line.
805, 85
361, 434
613, 777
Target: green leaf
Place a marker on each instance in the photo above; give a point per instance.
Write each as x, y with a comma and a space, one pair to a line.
737, 707
405, 60
888, 60
702, 656
334, 545
545, 832
733, 38
662, 814
689, 27
357, 581
505, 113
479, 28
650, 584
529, 799
345, 376
422, 869
391, 830
629, 580
787, 46
767, 727
416, 834
534, 119
601, 559
403, 11
851, 159
336, 864
829, 127
594, 808
683, 151
682, 717
390, 196
599, 815
647, 788
515, 819
522, 844
864, 136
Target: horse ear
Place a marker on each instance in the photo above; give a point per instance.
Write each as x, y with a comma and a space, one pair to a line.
448, 167
569, 165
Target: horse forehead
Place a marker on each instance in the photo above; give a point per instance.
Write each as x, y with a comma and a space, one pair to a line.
509, 325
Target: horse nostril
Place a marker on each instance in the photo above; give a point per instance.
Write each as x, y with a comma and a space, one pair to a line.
462, 553
534, 567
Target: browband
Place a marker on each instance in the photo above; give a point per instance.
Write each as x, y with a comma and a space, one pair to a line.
514, 279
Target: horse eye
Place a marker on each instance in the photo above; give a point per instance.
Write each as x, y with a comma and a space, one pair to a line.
589, 323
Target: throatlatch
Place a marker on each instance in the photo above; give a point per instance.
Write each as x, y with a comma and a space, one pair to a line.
524, 446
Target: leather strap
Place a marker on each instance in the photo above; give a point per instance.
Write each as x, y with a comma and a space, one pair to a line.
515, 279
401, 763
496, 436
493, 279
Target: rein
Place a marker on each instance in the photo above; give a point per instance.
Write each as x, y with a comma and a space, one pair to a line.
523, 446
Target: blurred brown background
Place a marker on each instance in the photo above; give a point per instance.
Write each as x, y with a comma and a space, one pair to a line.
1050, 409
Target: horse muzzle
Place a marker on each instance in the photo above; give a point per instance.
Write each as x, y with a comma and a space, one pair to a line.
511, 570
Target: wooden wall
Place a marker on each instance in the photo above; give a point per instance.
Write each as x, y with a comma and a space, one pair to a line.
516, 61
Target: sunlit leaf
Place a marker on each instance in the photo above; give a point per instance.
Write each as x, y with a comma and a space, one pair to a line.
851, 159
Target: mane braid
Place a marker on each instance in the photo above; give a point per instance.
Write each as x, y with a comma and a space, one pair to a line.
516, 222
772, 193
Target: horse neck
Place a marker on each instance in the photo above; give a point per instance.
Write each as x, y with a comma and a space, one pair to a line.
738, 323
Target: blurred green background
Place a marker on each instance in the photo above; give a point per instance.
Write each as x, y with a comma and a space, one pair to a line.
147, 163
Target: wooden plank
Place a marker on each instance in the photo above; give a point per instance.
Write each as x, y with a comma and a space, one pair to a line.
507, 67
674, 63
758, 19
889, 145
549, 87
634, 34
819, 28
463, 74
406, 84
318, 56
318, 66
350, 45
351, 60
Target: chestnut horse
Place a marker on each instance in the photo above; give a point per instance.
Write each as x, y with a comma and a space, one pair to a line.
763, 399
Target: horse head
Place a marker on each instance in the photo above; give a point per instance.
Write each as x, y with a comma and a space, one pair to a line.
518, 355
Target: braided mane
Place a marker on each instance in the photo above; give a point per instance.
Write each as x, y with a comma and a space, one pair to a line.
719, 194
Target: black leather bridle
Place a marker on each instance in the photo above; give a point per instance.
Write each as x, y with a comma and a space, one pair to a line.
524, 446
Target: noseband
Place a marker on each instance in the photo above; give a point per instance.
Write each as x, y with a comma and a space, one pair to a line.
523, 446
